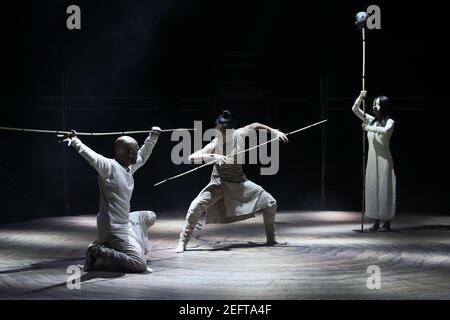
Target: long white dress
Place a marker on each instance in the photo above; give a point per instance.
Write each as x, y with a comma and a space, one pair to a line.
380, 193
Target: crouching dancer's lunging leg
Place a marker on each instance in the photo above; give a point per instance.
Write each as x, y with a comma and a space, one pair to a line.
269, 219
207, 197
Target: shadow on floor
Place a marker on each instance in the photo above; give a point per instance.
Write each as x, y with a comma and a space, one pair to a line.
227, 247
41, 265
433, 227
436, 227
100, 275
62, 263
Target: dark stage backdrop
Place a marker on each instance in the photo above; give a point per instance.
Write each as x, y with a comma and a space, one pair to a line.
140, 63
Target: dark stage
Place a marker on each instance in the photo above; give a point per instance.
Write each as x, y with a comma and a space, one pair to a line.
324, 259
286, 64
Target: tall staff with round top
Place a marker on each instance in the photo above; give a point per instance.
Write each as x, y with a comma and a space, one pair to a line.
361, 24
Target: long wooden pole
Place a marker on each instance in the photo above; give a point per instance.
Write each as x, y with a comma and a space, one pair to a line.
89, 133
363, 132
237, 153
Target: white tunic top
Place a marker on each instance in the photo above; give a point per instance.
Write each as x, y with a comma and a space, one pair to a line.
116, 185
380, 194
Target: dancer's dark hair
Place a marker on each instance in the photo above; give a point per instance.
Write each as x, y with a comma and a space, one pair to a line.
385, 108
224, 120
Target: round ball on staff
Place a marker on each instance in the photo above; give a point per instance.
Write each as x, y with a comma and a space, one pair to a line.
361, 19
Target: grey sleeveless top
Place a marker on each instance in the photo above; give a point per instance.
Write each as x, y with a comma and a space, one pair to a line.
230, 172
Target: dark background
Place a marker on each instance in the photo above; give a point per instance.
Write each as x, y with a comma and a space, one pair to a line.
140, 63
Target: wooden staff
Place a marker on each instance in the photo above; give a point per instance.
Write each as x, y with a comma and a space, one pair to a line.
363, 132
116, 133
237, 153
361, 23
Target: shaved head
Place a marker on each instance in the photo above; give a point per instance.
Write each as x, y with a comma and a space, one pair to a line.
126, 149
123, 144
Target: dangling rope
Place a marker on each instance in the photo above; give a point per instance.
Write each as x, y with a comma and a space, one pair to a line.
116, 133
237, 153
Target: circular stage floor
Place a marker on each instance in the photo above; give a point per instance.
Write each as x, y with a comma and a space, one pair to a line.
324, 259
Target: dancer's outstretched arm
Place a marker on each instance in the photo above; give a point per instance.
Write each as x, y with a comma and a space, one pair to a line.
387, 129
146, 150
260, 126
207, 154
100, 163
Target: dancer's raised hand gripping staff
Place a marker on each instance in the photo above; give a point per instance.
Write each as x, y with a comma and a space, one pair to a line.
119, 245
380, 190
230, 196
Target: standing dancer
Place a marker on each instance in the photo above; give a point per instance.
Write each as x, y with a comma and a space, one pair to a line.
118, 244
230, 196
380, 175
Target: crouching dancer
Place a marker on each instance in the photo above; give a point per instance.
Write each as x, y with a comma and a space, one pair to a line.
230, 196
122, 236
